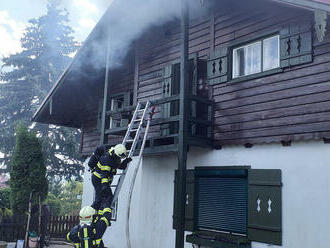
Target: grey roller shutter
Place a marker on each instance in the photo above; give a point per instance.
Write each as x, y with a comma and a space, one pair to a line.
221, 200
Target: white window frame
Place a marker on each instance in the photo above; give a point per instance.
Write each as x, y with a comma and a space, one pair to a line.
234, 59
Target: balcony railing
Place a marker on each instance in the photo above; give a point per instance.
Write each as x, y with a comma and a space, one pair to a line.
163, 134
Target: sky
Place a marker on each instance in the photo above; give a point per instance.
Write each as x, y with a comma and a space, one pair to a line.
14, 15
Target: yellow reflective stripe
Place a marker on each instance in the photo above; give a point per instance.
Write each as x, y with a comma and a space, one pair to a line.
100, 212
97, 242
105, 220
103, 167
105, 180
107, 210
86, 237
77, 245
97, 174
68, 237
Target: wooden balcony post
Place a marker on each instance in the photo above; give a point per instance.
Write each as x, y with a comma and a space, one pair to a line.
183, 146
105, 92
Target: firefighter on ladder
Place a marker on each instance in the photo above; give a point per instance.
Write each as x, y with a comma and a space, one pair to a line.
95, 219
89, 232
104, 164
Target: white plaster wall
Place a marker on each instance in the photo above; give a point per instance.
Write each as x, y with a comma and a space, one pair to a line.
305, 194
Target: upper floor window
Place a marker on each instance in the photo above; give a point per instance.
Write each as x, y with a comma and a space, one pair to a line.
256, 57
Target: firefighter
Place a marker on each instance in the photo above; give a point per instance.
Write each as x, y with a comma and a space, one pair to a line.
88, 234
104, 164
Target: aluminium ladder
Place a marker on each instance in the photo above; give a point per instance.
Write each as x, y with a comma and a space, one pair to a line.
135, 126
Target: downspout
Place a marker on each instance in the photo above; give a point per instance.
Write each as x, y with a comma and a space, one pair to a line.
105, 92
183, 130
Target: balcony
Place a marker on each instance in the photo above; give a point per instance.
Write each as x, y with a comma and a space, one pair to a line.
164, 127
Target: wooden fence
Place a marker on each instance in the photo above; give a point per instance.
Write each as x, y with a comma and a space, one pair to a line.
59, 226
12, 229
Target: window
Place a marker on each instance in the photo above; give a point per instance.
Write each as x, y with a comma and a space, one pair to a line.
231, 204
256, 57
221, 200
118, 103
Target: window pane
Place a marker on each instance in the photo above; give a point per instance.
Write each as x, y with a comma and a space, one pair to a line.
238, 62
253, 58
247, 60
271, 53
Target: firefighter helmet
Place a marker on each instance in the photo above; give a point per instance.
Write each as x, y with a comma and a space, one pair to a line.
86, 215
120, 151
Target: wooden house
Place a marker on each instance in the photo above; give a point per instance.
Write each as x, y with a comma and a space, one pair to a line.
238, 153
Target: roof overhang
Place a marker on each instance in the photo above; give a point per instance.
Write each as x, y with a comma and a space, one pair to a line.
81, 85
308, 4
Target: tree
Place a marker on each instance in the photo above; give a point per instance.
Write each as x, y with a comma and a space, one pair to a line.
27, 76
28, 170
4, 197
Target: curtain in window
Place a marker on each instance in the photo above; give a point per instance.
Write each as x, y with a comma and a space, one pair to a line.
253, 58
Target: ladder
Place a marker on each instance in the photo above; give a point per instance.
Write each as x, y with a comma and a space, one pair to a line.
135, 126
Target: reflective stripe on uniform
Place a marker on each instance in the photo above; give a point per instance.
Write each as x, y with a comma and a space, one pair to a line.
97, 242
106, 210
77, 245
68, 237
86, 238
104, 180
103, 167
105, 220
97, 174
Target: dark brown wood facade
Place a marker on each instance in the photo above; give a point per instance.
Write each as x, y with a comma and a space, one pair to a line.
290, 104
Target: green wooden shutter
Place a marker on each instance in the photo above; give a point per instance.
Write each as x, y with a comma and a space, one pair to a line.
127, 99
166, 92
265, 206
189, 201
217, 66
296, 45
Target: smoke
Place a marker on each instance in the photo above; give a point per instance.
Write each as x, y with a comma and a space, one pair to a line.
126, 20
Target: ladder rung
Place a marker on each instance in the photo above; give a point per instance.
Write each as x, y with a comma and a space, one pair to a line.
133, 130
130, 140
138, 120
140, 110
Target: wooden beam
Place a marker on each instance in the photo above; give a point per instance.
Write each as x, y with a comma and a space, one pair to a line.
183, 130
136, 75
105, 93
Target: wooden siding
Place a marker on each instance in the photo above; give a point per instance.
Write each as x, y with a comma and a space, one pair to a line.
121, 81
292, 105
287, 106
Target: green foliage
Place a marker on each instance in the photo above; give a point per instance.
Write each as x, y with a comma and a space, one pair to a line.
70, 203
28, 170
5, 198
5, 213
54, 203
26, 79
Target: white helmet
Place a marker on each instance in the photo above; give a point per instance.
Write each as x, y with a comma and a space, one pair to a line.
86, 215
120, 150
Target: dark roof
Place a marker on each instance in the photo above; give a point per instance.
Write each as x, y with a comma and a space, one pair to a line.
82, 83
308, 4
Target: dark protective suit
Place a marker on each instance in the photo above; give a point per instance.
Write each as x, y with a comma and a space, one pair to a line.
90, 236
104, 164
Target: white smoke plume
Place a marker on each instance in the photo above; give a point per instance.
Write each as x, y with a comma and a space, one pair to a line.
128, 19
